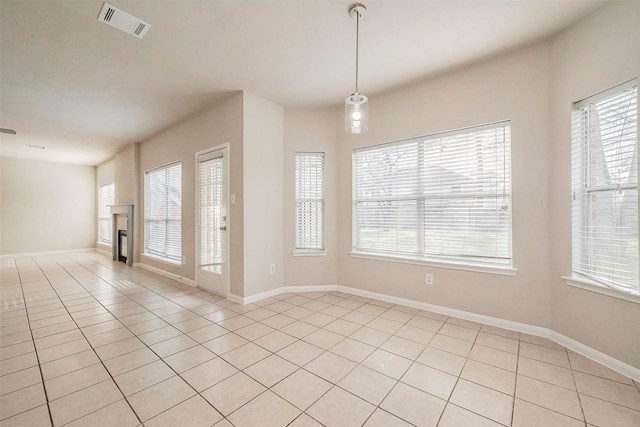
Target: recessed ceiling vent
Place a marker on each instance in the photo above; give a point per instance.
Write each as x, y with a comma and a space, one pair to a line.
123, 21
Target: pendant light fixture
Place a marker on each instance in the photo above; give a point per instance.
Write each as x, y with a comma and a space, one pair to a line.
356, 106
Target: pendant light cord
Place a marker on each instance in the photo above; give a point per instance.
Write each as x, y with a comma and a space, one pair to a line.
357, 44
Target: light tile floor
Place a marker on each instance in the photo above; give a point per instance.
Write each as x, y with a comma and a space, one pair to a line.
89, 342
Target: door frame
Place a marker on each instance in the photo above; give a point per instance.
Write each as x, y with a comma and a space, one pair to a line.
227, 189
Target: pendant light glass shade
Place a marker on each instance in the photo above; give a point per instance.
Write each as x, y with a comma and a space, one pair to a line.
356, 113
356, 106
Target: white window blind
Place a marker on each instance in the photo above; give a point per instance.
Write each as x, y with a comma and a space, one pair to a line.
211, 214
445, 196
106, 197
163, 212
310, 201
604, 166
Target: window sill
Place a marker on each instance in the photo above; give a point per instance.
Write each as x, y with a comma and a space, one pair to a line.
478, 268
162, 260
103, 243
309, 252
592, 286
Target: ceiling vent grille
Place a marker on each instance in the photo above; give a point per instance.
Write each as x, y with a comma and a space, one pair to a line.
123, 21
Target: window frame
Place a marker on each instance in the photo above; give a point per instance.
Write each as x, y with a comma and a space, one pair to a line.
582, 275
163, 256
103, 207
421, 255
310, 250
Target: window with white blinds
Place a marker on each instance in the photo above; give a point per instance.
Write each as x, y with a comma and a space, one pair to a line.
106, 197
163, 212
211, 214
441, 197
604, 164
309, 201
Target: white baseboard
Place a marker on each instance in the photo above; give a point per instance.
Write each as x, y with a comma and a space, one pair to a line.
281, 290
43, 253
473, 317
608, 361
104, 252
166, 274
238, 299
595, 355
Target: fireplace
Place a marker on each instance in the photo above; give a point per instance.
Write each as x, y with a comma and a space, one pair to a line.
122, 245
122, 233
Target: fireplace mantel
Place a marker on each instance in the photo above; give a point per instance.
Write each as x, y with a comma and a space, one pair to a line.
120, 209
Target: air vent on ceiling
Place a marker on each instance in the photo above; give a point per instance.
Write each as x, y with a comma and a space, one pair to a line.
123, 21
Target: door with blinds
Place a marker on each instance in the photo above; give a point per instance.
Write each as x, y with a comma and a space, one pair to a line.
212, 271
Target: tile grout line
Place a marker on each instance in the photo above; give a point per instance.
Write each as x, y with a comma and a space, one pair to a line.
146, 345
35, 350
515, 383
163, 292
584, 417
90, 345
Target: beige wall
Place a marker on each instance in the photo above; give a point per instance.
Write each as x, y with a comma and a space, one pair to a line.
125, 175
310, 130
263, 180
596, 54
46, 206
105, 174
221, 124
512, 87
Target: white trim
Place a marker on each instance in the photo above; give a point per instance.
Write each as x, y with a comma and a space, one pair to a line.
166, 274
237, 299
595, 355
103, 252
162, 260
473, 317
451, 265
281, 290
593, 286
309, 252
608, 361
64, 251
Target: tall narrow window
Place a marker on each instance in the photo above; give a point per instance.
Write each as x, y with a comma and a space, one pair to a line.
605, 188
163, 212
106, 198
309, 201
443, 197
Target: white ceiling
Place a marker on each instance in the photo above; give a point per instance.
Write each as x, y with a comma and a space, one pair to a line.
84, 89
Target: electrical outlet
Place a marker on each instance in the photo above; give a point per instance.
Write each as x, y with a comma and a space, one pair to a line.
428, 279
272, 268
184, 260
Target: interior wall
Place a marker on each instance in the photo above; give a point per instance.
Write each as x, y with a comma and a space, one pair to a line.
125, 175
263, 194
599, 52
511, 87
310, 130
218, 125
46, 206
105, 174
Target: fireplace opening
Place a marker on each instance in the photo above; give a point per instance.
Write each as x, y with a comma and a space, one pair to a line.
122, 245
